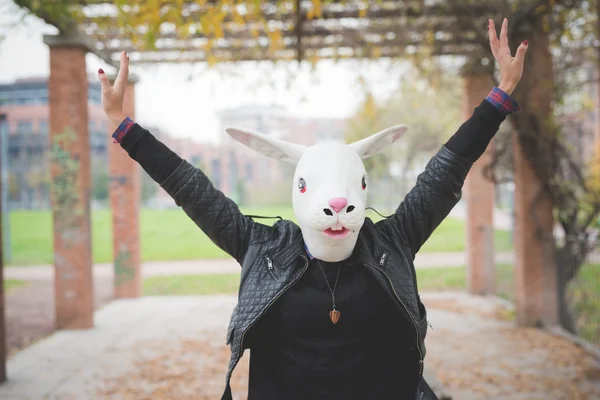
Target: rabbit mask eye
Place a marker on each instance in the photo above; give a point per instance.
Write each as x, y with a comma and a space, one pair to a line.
364, 183
302, 185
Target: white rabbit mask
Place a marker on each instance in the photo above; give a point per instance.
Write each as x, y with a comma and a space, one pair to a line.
329, 191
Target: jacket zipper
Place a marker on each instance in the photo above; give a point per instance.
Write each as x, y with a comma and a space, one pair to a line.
270, 267
276, 297
382, 261
415, 325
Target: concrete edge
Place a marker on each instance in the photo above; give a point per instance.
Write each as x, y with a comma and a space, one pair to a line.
590, 348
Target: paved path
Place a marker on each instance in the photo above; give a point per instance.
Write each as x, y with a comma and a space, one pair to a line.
193, 267
173, 348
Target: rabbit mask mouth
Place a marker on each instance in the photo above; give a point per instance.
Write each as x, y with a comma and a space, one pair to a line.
329, 191
337, 233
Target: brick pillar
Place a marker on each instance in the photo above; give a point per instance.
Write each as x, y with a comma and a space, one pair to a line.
125, 188
479, 195
70, 183
535, 264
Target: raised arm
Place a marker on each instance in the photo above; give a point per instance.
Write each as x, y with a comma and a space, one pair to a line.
217, 215
438, 188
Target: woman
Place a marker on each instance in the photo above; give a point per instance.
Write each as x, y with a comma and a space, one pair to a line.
293, 277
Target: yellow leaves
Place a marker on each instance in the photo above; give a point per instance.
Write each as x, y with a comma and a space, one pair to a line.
184, 30
362, 12
594, 176
369, 109
587, 102
313, 59
540, 9
275, 39
211, 59
429, 38
150, 39
317, 7
315, 11
546, 24
376, 52
208, 46
237, 17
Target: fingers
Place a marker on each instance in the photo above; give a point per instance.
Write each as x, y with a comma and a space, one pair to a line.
104, 83
504, 37
123, 74
520, 56
494, 42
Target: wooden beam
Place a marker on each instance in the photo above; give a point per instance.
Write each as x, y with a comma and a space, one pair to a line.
333, 11
314, 43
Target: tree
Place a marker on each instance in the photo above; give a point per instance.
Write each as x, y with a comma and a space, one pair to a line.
558, 32
430, 110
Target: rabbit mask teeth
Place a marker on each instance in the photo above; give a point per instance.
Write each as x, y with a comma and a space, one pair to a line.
330, 185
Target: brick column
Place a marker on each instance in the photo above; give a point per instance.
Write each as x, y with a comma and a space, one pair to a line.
536, 292
70, 183
125, 188
479, 195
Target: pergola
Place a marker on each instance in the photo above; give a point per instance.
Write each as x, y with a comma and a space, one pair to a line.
206, 31
219, 31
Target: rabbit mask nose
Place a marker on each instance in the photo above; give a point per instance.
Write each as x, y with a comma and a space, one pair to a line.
338, 203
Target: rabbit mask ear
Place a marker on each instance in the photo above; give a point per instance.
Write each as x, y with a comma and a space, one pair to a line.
379, 141
268, 146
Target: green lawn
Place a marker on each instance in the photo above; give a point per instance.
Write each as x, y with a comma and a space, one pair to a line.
171, 235
182, 285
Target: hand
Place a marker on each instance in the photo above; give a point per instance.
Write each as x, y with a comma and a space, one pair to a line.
112, 97
511, 68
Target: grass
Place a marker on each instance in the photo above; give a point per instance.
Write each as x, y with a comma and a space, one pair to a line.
11, 284
584, 296
183, 285
171, 235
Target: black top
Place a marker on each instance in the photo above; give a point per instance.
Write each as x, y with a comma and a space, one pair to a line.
296, 351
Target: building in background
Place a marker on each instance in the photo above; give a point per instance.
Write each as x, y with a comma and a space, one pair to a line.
240, 173
25, 104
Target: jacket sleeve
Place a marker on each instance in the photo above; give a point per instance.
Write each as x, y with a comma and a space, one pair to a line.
217, 215
439, 186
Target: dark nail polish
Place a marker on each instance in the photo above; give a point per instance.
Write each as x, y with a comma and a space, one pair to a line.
526, 42
100, 71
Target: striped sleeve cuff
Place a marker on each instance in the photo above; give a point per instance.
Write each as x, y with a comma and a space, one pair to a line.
502, 101
122, 130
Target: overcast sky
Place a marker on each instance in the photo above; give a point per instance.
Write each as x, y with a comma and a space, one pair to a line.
184, 99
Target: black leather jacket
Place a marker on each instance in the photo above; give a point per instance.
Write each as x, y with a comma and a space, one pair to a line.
274, 258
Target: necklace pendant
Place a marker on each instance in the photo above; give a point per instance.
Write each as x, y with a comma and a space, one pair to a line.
334, 316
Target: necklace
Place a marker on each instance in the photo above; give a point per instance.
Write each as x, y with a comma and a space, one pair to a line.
334, 315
